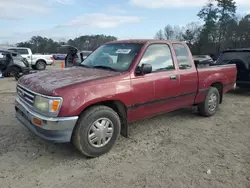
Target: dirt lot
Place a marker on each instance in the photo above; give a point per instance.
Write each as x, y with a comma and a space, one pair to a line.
173, 150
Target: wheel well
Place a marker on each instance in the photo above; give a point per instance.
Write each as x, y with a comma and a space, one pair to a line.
219, 86
120, 109
41, 60
15, 66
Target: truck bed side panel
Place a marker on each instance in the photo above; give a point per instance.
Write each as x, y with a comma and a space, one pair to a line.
224, 74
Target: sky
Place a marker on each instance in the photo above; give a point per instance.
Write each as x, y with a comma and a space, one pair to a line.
125, 19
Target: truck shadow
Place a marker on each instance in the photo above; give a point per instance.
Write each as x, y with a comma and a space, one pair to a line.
240, 92
165, 118
62, 152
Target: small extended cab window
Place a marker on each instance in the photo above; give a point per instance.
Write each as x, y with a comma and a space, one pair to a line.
182, 55
159, 56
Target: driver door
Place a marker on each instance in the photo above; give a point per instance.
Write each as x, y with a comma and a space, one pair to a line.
156, 92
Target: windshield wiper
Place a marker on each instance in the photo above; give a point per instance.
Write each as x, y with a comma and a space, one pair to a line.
104, 67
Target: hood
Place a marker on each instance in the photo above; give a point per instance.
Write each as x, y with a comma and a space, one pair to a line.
46, 82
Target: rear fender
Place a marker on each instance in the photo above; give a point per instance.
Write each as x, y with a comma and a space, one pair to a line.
215, 78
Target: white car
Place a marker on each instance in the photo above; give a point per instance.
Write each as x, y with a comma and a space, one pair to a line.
37, 61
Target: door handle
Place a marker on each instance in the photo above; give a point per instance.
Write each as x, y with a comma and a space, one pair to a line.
173, 77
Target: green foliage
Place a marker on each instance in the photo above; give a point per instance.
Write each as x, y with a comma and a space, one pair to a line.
220, 30
40, 44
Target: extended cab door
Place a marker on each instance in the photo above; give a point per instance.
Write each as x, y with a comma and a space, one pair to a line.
156, 92
188, 75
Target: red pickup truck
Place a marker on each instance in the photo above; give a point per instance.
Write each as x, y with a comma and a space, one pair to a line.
120, 82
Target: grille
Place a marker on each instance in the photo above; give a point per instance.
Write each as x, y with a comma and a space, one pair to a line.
26, 95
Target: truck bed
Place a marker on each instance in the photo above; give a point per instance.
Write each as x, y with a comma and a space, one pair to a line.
223, 74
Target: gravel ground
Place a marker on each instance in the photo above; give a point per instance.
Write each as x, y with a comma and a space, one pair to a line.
179, 149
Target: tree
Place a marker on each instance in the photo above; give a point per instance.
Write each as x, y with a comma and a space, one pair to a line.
168, 32
159, 35
243, 32
208, 35
192, 33
227, 10
40, 44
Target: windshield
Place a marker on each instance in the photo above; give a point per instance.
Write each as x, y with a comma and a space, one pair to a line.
116, 57
228, 56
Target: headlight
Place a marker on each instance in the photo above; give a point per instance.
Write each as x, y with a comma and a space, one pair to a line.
47, 105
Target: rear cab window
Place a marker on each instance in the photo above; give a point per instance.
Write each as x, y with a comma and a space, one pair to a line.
182, 55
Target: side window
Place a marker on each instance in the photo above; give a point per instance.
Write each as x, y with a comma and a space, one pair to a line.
14, 50
23, 51
159, 56
183, 58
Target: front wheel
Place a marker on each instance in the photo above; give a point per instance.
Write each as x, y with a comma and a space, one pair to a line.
12, 72
211, 104
97, 131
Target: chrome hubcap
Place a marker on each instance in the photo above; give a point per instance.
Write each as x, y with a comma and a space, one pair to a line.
40, 65
212, 103
100, 132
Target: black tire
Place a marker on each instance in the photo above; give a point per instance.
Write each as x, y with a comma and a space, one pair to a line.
12, 72
40, 65
17, 76
203, 108
83, 126
33, 67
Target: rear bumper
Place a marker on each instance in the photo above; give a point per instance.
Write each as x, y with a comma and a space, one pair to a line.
57, 130
49, 62
243, 84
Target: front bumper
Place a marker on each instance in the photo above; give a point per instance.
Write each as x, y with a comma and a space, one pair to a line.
58, 129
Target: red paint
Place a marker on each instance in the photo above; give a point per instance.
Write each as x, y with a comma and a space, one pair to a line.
81, 87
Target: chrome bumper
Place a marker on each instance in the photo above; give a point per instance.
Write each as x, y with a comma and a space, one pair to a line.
57, 129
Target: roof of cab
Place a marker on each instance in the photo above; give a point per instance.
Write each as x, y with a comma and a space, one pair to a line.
237, 50
8, 51
143, 41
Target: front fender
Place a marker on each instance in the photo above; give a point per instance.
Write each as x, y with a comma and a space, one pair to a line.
77, 99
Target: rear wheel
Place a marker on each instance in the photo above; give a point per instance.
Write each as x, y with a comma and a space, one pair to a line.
40, 65
211, 104
96, 131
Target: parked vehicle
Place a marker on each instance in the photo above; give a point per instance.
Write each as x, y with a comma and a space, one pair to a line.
37, 61
120, 82
240, 57
74, 56
59, 56
84, 54
203, 60
13, 64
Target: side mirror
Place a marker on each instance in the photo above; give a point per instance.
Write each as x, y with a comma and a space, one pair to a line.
144, 69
